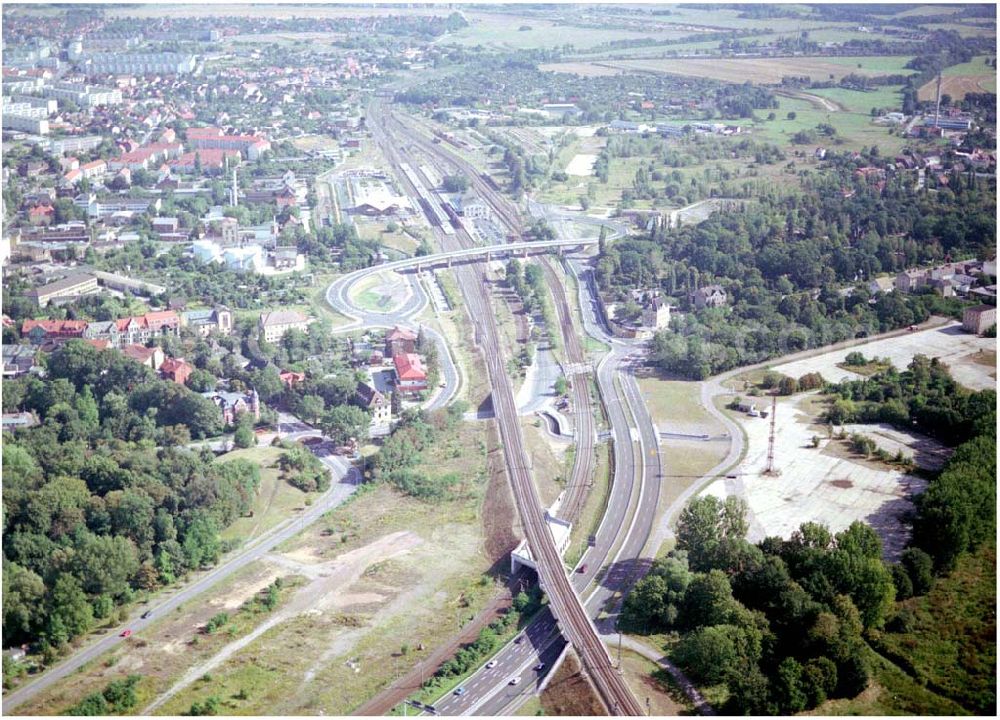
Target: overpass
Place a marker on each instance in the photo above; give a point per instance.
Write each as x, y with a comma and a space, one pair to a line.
487, 251
337, 295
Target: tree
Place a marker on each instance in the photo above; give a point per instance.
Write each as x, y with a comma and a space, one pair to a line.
345, 422
69, 612
707, 653
23, 593
105, 565
455, 183
788, 386
244, 436
704, 523
311, 408
708, 600
788, 687
919, 567
201, 381
791, 115
561, 386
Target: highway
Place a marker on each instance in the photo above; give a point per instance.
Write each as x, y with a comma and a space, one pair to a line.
345, 480
566, 606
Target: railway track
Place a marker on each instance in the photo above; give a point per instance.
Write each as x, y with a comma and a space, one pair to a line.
566, 606
583, 465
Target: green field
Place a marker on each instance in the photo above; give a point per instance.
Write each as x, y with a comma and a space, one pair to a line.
951, 643
854, 127
876, 64
966, 30
275, 500
976, 66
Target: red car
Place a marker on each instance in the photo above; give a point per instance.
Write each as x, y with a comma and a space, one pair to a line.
126, 633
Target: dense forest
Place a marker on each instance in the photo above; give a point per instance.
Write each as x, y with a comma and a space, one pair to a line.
784, 260
786, 624
101, 499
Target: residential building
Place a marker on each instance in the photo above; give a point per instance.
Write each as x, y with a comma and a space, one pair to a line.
18, 360
69, 287
411, 378
135, 330
274, 325
151, 357
95, 169
291, 378
370, 399
18, 421
176, 370
655, 310
213, 138
118, 63
218, 319
38, 331
74, 144
400, 340
233, 404
25, 123
978, 319
41, 215
708, 296
88, 96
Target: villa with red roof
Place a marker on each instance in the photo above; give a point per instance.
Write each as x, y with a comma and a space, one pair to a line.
411, 378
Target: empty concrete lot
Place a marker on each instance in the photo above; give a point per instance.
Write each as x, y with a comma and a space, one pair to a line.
954, 346
823, 485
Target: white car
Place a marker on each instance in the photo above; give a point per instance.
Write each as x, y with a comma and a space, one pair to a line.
515, 681
491, 664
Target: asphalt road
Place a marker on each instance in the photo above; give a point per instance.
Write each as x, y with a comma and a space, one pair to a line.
345, 479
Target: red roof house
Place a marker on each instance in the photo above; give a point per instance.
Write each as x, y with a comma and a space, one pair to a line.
410, 374
176, 370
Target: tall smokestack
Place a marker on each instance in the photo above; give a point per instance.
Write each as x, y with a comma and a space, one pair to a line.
937, 103
235, 198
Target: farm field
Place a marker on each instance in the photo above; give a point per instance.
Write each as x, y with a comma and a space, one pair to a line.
958, 80
768, 70
583, 69
500, 30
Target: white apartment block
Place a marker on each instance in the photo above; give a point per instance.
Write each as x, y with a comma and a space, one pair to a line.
23, 109
14, 121
83, 95
51, 106
138, 64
